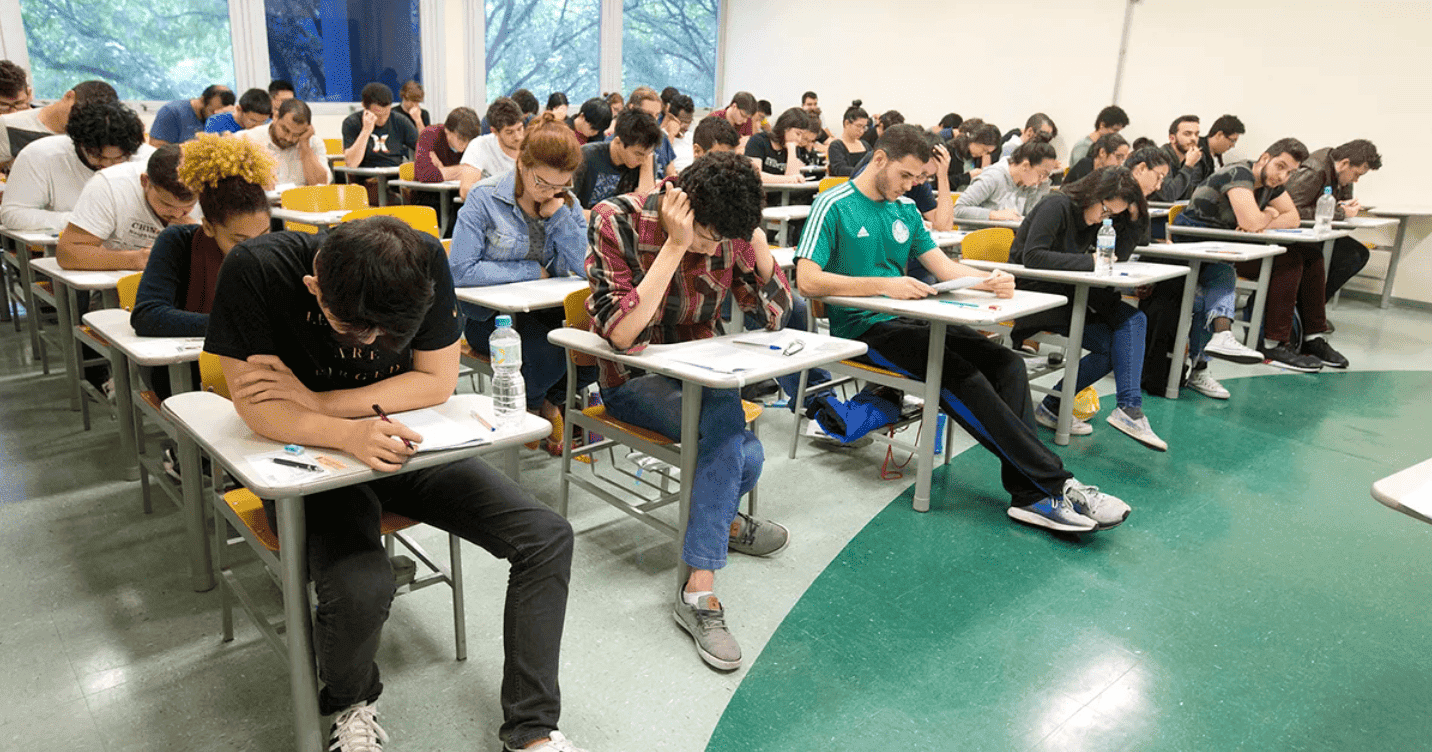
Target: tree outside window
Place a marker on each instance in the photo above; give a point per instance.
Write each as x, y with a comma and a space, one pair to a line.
543, 46
671, 43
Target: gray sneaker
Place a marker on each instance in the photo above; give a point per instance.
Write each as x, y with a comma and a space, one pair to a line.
706, 623
1137, 429
754, 537
1100, 507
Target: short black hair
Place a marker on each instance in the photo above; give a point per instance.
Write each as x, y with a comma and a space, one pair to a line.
794, 117
556, 99
163, 171
98, 125
725, 194
680, 103
375, 274
809, 95
13, 80
1173, 127
377, 93
1033, 152
902, 140
714, 130
951, 120
1038, 120
225, 95
1112, 116
1150, 155
1107, 143
668, 93
597, 113
300, 110
854, 112
1228, 125
279, 84
891, 117
1141, 142
87, 92
763, 106
636, 128
257, 100
745, 101
526, 100
465, 122
1357, 152
504, 112
1290, 146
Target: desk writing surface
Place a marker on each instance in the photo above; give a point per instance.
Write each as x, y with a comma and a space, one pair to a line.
33, 237
805, 185
519, 297
80, 280
368, 171
1008, 224
1294, 235
1401, 210
948, 238
418, 185
1210, 250
309, 218
968, 307
778, 213
1408, 491
113, 325
1126, 273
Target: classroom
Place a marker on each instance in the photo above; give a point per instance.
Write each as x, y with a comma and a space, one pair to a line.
583, 354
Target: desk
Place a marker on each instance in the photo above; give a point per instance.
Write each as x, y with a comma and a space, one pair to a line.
782, 216
1126, 274
1196, 254
1166, 204
1404, 215
446, 192
321, 220
208, 420
786, 189
523, 297
66, 284
941, 315
949, 240
1408, 491
979, 224
814, 169
17, 246
383, 174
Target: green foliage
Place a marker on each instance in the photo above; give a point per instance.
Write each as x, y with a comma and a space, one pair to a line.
543, 46
148, 49
671, 43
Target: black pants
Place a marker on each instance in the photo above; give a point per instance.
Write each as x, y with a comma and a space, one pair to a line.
985, 388
354, 580
1349, 257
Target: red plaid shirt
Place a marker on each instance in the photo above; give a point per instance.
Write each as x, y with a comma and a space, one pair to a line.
626, 236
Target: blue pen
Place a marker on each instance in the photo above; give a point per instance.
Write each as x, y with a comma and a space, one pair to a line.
960, 303
757, 344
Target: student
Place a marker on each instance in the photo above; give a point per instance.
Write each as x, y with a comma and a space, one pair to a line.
1222, 136
372, 137
411, 96
674, 124
842, 154
440, 147
886, 120
1141, 142
19, 128
811, 104
280, 90
176, 293
621, 165
861, 239
970, 153
615, 103
527, 102
1059, 234
1339, 169
741, 113
519, 226
1186, 157
949, 125
934, 204
1038, 128
646, 99
300, 157
311, 332
496, 152
1252, 198
774, 154
15, 90
1149, 166
48, 176
763, 116
120, 212
1109, 150
183, 119
254, 109
557, 105
591, 121
1010, 188
714, 134
659, 267
1111, 119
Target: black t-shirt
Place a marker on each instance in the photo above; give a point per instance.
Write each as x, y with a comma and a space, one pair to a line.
760, 147
262, 307
389, 145
599, 178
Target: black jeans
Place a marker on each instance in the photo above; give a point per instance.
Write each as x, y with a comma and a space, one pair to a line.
354, 580
985, 388
1349, 257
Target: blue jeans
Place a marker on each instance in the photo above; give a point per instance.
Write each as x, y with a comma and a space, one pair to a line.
728, 457
1119, 349
1215, 298
544, 365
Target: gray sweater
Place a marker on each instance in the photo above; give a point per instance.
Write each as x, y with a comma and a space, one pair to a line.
995, 189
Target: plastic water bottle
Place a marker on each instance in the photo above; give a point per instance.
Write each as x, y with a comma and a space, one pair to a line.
1104, 250
509, 391
1327, 206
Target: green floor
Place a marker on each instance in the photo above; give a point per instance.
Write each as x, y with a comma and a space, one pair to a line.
1257, 598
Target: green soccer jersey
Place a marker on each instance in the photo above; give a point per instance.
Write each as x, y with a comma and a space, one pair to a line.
849, 234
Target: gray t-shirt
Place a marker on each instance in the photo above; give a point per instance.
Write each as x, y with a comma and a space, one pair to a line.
536, 237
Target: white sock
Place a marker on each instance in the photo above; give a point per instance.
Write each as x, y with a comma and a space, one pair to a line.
1312, 337
691, 598
1269, 344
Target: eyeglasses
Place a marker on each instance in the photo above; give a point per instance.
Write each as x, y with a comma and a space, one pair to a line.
8, 106
567, 186
1107, 212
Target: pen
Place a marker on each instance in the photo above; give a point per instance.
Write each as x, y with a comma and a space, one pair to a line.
291, 463
384, 416
757, 344
960, 303
480, 420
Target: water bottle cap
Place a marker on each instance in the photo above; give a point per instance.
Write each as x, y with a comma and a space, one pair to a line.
1327, 189
504, 320
1108, 222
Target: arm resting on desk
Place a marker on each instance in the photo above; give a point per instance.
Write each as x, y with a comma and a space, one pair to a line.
816, 282
78, 249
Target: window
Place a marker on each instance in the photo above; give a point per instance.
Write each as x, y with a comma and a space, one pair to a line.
543, 46
671, 43
331, 50
154, 50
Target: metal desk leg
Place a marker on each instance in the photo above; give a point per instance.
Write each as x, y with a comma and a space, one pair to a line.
1260, 302
124, 411
1396, 255
1071, 364
32, 309
929, 420
201, 573
782, 231
382, 190
511, 464
302, 676
65, 309
445, 212
690, 422
1180, 337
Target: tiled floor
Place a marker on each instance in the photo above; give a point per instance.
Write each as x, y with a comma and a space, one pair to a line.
103, 645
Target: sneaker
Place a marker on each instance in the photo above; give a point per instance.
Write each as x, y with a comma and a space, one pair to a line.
1283, 356
1225, 346
1319, 348
826, 441
356, 730
755, 537
1137, 429
1054, 514
556, 743
1046, 417
1105, 510
706, 623
1202, 381
171, 464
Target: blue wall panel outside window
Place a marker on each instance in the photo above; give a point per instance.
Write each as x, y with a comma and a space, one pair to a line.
331, 49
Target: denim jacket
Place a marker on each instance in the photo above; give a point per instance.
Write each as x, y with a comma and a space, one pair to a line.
490, 244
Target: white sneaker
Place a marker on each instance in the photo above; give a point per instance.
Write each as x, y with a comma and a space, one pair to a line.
1100, 507
356, 730
1137, 429
1045, 417
1202, 381
557, 743
1224, 345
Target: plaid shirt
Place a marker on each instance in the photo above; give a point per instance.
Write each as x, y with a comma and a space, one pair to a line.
625, 236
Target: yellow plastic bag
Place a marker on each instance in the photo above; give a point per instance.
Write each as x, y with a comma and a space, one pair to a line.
1086, 403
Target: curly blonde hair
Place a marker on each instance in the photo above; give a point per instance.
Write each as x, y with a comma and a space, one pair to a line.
211, 158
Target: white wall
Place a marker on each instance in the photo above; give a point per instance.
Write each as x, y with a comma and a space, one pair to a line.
1325, 71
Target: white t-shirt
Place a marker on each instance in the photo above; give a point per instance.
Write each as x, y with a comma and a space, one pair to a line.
24, 120
46, 182
290, 162
486, 154
684, 154
112, 208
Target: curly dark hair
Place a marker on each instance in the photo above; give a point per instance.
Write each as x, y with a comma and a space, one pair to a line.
376, 275
725, 194
13, 81
97, 125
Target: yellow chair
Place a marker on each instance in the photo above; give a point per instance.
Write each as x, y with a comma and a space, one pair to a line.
322, 198
128, 289
1174, 211
420, 218
828, 183
989, 244
406, 171
333, 145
